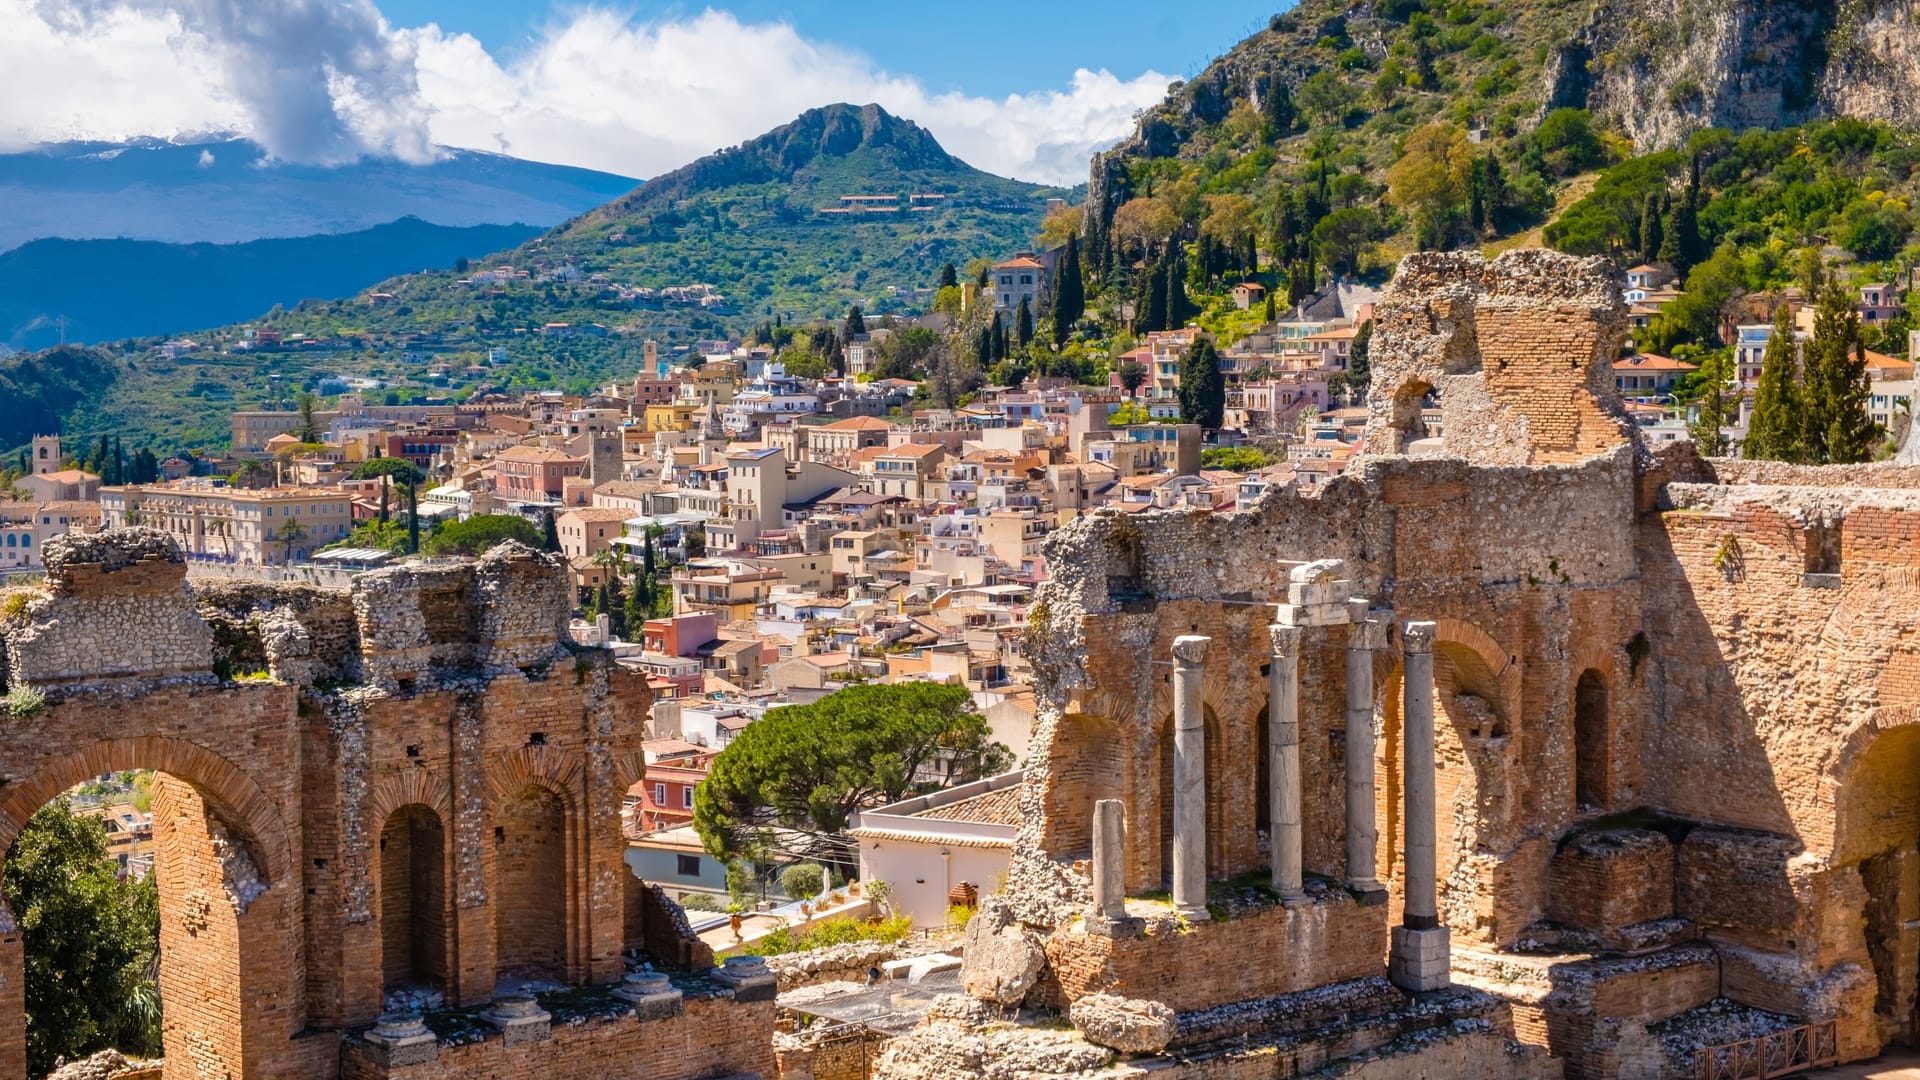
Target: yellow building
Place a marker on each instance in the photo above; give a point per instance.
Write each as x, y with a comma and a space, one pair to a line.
673, 416
265, 527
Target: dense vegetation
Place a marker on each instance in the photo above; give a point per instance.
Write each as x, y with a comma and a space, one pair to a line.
91, 942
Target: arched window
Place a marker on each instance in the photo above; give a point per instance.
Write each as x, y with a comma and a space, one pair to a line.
1590, 724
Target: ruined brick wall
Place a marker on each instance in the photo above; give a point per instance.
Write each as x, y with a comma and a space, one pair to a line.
1205, 965
1518, 350
715, 1036
276, 903
1528, 571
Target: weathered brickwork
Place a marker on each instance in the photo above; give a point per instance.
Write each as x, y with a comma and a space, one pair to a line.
423, 795
1674, 699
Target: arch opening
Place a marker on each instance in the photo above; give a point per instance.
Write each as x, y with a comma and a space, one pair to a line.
531, 912
1408, 417
415, 904
143, 881
1590, 725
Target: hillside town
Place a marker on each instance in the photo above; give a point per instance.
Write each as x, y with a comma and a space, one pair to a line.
746, 539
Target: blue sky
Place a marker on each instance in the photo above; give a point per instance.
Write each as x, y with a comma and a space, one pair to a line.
948, 46
632, 88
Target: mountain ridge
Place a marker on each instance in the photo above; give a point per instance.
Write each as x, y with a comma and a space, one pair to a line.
228, 191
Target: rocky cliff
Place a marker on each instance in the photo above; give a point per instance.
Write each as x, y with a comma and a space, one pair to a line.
1656, 70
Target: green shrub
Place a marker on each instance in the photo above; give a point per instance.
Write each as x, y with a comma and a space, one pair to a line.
25, 701
825, 934
802, 881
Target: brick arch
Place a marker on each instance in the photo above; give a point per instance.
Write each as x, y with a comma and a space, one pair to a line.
561, 772
239, 801
412, 786
1479, 666
1851, 775
629, 769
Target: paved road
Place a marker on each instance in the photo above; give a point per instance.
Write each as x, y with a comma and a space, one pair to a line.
1897, 1065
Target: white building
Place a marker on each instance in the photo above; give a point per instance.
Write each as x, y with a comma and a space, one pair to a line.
925, 846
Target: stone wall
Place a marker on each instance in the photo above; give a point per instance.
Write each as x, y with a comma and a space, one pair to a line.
1207, 964
116, 611
1518, 351
430, 700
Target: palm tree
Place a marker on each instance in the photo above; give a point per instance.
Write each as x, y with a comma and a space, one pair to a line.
612, 560
290, 534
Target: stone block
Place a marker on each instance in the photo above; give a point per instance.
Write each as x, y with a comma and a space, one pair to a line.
1420, 960
1129, 1025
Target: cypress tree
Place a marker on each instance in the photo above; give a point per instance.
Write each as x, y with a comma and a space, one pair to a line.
1773, 432
1838, 430
1249, 253
1650, 231
1277, 105
1023, 323
413, 519
119, 462
384, 517
1150, 311
1270, 306
550, 540
1069, 296
856, 323
1203, 391
949, 277
1178, 308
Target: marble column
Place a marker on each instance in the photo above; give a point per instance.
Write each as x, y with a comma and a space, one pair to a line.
1283, 760
1419, 956
1363, 835
1110, 858
1189, 778
1109, 914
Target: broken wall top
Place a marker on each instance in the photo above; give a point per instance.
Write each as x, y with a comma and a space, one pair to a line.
1518, 351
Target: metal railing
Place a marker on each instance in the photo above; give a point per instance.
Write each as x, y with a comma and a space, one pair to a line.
1776, 1053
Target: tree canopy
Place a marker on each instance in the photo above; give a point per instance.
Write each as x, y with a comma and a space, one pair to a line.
480, 532
91, 942
810, 766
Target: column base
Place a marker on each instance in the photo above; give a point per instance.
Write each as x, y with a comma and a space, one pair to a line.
1369, 892
1115, 926
1193, 912
1420, 960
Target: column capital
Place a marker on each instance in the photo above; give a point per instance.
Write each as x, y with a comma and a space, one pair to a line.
1190, 650
1417, 637
1373, 632
1286, 641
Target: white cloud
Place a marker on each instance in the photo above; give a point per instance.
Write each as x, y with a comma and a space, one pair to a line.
322, 81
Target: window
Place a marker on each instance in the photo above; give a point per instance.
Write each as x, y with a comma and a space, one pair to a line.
687, 865
686, 798
659, 794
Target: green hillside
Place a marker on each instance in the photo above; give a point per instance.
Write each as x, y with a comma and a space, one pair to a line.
745, 221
